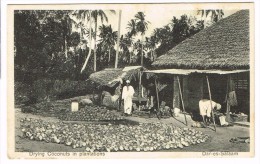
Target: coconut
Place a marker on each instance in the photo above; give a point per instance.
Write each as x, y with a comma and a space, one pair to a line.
96, 137
179, 145
184, 143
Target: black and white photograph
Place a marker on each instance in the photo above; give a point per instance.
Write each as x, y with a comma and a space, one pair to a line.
131, 80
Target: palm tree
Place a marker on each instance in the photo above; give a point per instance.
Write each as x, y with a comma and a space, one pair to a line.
62, 16
132, 31
85, 17
67, 27
108, 38
151, 44
141, 27
126, 43
131, 26
95, 14
138, 46
216, 15
129, 43
118, 39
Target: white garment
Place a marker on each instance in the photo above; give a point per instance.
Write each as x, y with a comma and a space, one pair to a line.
205, 107
176, 112
127, 95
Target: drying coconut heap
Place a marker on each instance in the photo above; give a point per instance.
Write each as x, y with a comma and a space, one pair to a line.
97, 137
91, 113
52, 108
61, 110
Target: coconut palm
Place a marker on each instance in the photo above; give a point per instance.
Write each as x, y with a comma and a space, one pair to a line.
63, 17
216, 15
118, 39
85, 17
141, 27
131, 26
132, 31
126, 43
129, 43
107, 38
151, 45
67, 28
95, 14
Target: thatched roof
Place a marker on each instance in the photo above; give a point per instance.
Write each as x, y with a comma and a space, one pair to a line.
224, 45
110, 77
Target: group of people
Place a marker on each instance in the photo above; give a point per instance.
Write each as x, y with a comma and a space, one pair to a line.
205, 106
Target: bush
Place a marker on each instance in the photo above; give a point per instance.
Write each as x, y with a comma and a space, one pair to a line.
46, 89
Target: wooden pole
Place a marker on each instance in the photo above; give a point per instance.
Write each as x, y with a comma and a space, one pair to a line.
157, 95
142, 89
227, 99
173, 105
182, 100
120, 98
211, 104
118, 38
139, 89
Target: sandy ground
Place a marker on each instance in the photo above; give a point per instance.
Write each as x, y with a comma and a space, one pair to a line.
219, 140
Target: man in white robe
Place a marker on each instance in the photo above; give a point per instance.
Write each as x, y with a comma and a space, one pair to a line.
127, 96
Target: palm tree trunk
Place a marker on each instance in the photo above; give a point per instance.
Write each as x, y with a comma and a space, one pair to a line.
109, 56
153, 54
118, 38
130, 57
66, 47
89, 52
142, 55
95, 47
81, 33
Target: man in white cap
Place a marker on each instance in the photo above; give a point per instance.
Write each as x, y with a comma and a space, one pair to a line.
127, 95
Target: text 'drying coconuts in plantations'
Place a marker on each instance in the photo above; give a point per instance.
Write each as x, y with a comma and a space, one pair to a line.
65, 154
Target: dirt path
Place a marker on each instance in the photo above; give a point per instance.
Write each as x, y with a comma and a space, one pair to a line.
219, 140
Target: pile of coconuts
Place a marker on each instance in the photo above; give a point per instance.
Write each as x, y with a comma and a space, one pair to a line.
91, 113
111, 137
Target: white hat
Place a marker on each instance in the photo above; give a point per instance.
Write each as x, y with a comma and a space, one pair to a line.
218, 106
127, 81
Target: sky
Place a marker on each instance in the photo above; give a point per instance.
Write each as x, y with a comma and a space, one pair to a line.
157, 18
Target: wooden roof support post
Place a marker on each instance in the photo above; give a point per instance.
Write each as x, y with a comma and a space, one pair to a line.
157, 96
212, 113
142, 88
228, 105
139, 89
182, 100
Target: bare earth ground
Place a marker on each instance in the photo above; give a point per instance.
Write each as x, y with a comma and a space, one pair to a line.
219, 140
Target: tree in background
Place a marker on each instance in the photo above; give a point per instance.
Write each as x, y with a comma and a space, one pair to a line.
215, 15
95, 14
107, 39
175, 32
151, 44
84, 17
141, 27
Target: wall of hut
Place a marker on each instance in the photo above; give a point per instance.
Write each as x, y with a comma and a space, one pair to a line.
194, 88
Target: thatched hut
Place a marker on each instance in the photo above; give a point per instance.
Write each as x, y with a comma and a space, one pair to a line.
220, 53
111, 80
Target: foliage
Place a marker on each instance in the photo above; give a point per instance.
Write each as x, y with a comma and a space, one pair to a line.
174, 33
50, 44
46, 89
216, 15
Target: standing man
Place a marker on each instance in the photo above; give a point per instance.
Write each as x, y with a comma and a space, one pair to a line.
127, 95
